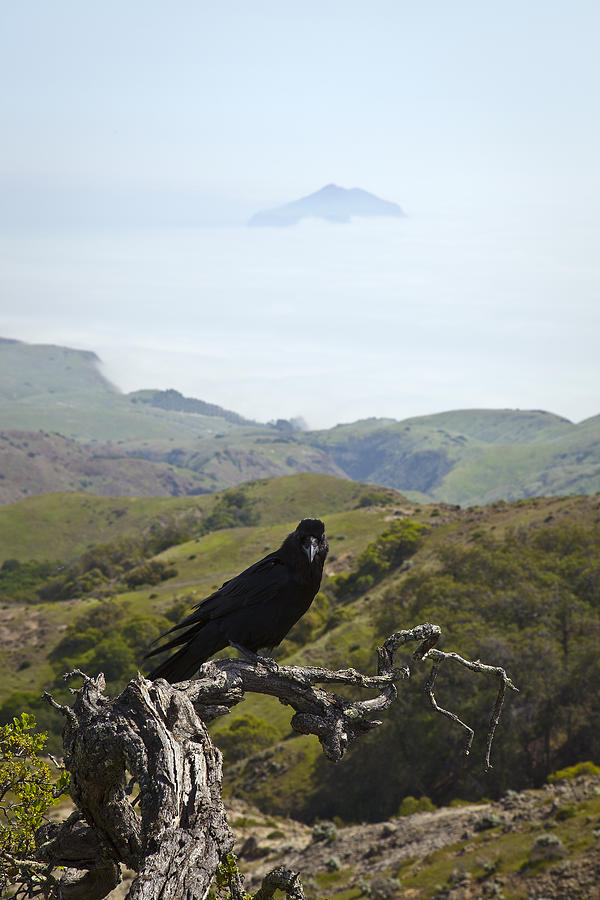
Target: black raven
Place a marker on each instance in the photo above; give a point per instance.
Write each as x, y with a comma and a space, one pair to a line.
256, 609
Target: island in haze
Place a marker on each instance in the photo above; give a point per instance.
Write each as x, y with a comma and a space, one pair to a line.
332, 203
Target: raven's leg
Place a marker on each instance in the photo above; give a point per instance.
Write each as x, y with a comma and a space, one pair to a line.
254, 657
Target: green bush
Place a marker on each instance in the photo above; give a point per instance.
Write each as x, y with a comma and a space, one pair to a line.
115, 658
105, 639
389, 551
46, 718
29, 789
547, 847
75, 644
233, 508
411, 805
85, 633
245, 736
582, 768
21, 580
140, 631
151, 572
180, 608
565, 812
164, 534
401, 540
375, 498
487, 821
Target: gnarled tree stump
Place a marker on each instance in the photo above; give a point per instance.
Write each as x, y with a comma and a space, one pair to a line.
153, 735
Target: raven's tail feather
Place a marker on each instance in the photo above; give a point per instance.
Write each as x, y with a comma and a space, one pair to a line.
174, 642
184, 664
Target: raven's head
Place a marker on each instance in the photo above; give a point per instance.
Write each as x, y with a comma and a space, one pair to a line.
311, 534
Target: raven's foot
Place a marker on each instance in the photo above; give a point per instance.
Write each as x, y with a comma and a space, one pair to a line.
266, 661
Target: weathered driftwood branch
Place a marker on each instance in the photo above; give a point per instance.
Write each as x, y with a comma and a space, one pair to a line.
504, 681
154, 734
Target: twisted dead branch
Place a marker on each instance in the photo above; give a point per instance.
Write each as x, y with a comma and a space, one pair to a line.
154, 734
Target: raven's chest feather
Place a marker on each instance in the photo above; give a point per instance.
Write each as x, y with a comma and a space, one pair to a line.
265, 625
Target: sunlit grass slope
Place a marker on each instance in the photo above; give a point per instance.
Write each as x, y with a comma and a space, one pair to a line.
478, 609
63, 525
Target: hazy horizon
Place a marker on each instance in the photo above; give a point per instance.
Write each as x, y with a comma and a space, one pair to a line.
328, 322
138, 139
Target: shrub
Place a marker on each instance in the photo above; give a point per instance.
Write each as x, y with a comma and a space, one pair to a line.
28, 791
411, 805
383, 888
488, 820
244, 737
140, 631
374, 498
38, 710
234, 507
324, 831
21, 580
392, 548
180, 608
151, 572
565, 812
582, 768
85, 633
105, 639
546, 846
115, 658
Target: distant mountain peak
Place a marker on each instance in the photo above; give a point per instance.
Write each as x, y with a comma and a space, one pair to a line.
332, 203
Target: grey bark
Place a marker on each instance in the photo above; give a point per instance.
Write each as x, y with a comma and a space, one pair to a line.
150, 734
154, 735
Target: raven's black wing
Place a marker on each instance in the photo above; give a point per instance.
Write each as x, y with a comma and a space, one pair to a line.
258, 585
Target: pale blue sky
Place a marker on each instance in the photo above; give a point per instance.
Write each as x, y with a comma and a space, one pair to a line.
431, 102
481, 120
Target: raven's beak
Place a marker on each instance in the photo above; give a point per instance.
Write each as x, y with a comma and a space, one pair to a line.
311, 547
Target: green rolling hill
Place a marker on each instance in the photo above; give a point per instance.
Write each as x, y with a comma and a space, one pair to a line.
119, 512
96, 439
90, 581
471, 456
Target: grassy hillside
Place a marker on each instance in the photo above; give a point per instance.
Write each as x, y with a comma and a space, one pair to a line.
498, 426
61, 526
463, 456
33, 463
58, 389
515, 584
37, 373
221, 460
67, 525
471, 457
536, 843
